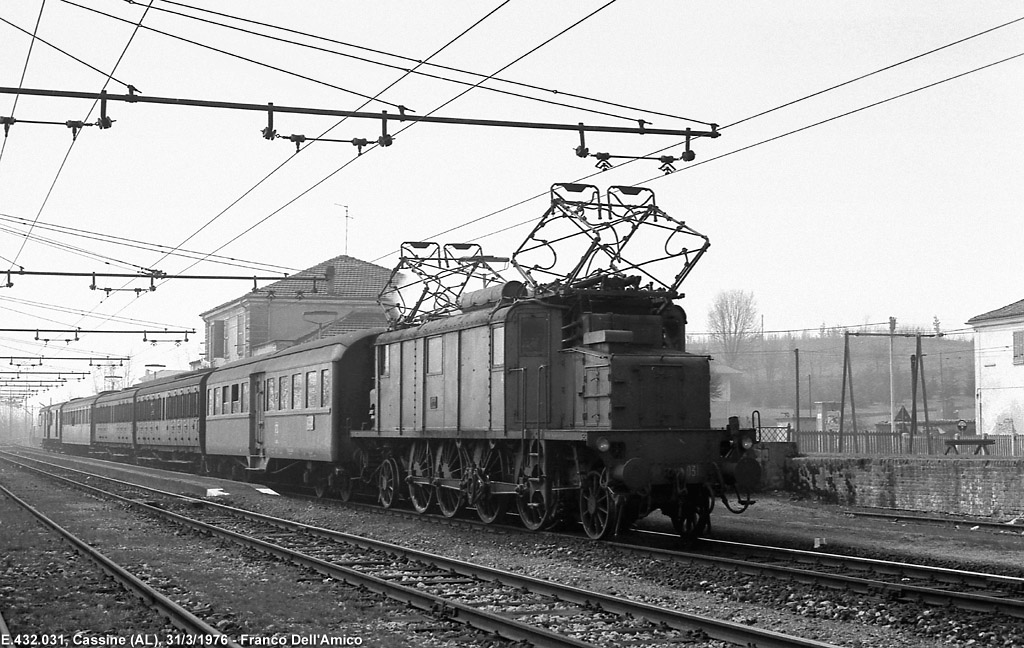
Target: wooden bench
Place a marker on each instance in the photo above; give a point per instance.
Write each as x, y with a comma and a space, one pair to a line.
980, 445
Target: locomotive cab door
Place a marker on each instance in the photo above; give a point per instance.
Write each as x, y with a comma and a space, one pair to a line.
528, 381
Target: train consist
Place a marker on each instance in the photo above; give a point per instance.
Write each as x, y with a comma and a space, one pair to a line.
568, 396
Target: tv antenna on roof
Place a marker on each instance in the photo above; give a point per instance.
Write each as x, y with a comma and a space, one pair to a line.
347, 219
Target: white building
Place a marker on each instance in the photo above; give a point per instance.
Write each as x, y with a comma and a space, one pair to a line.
999, 369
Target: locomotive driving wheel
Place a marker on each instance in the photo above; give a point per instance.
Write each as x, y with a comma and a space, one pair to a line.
420, 466
494, 463
534, 497
450, 471
598, 505
387, 483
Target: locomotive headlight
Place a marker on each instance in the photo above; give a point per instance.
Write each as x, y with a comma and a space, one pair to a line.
603, 445
747, 443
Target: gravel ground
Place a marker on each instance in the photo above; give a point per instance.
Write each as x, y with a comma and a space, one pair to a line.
826, 615
47, 588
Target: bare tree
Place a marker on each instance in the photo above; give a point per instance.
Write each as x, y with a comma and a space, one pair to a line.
732, 320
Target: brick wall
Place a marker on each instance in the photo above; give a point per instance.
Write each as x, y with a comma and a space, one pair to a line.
962, 485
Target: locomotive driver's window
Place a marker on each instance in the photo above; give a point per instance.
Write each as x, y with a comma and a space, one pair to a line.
435, 349
533, 336
498, 346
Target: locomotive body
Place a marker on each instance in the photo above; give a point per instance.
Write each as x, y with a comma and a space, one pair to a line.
581, 404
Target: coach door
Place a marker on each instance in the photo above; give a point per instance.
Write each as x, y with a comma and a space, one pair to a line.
258, 407
529, 375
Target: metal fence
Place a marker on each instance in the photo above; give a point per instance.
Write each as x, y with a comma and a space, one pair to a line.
868, 442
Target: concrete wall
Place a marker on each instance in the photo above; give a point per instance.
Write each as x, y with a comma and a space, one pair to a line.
963, 485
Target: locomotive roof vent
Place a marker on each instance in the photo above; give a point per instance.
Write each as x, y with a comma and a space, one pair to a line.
491, 296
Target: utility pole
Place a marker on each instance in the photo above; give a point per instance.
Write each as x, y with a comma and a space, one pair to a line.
796, 353
892, 380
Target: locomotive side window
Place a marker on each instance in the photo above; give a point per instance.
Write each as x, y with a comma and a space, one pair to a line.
285, 392
533, 336
384, 360
271, 394
435, 355
297, 391
498, 346
311, 390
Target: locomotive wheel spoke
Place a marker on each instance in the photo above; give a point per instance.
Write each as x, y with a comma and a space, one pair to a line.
598, 508
420, 466
387, 483
494, 465
450, 465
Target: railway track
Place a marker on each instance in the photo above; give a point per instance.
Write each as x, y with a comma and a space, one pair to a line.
513, 606
894, 580
178, 616
938, 520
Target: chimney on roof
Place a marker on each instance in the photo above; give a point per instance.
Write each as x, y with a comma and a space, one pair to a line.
329, 272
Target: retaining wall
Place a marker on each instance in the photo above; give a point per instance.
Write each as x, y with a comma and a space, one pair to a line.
971, 485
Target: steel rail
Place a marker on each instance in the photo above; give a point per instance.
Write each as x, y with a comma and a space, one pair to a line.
945, 521
176, 614
728, 631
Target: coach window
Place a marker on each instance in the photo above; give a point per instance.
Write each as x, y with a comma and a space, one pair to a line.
297, 391
209, 402
244, 403
435, 354
325, 388
497, 346
226, 395
285, 392
234, 398
216, 400
311, 390
271, 394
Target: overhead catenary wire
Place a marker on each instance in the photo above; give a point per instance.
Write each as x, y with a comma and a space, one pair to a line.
412, 60
717, 157
242, 58
287, 160
71, 146
148, 246
24, 71
722, 128
36, 37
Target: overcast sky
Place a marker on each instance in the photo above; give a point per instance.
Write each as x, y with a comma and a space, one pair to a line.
898, 194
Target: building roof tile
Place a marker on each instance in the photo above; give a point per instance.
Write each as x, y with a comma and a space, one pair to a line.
1015, 309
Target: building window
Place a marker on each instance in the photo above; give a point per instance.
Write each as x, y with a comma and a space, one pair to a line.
1018, 347
435, 355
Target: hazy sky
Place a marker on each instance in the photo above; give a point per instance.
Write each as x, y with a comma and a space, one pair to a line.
881, 197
